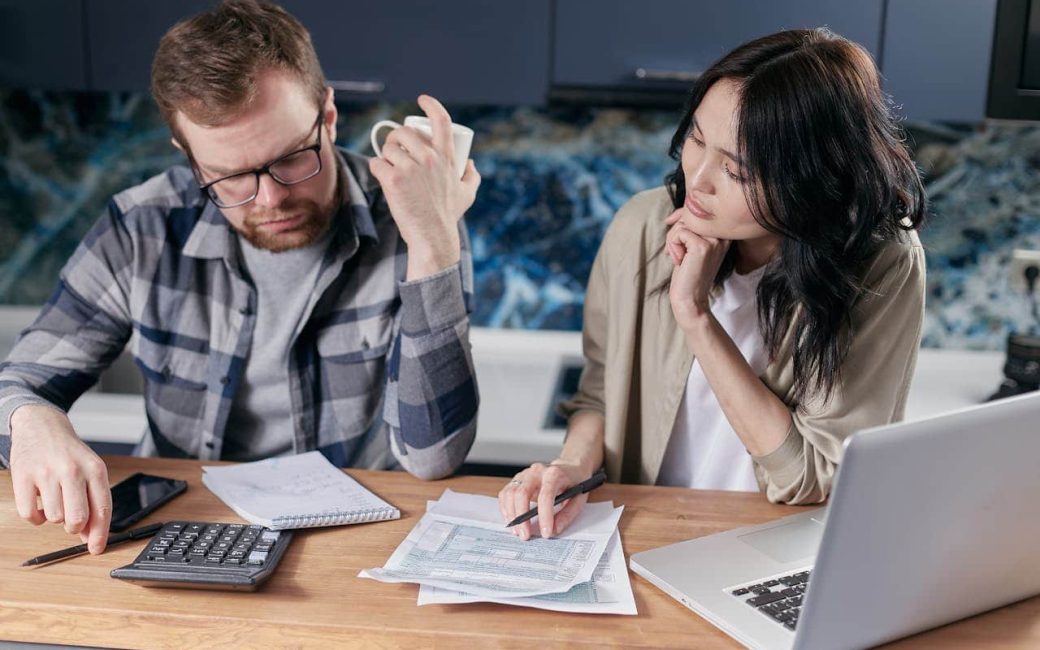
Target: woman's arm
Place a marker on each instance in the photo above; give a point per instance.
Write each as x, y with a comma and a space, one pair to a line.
799, 449
584, 446
874, 382
582, 452
759, 418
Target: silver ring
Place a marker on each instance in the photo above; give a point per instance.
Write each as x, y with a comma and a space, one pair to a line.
516, 482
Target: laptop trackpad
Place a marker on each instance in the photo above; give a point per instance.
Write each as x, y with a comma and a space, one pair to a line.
787, 543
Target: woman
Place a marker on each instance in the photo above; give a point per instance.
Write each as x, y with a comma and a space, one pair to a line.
745, 319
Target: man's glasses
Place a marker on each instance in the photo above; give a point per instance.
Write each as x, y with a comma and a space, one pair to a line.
241, 188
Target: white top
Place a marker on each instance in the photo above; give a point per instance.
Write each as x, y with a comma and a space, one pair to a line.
704, 452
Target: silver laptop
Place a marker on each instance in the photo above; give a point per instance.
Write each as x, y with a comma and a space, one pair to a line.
928, 522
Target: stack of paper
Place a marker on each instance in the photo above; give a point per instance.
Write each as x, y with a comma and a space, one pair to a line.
460, 552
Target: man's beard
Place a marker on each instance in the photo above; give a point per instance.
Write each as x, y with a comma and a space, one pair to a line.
314, 225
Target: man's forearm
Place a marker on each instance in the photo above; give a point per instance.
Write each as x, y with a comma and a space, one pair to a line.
429, 259
13, 412
13, 396
433, 391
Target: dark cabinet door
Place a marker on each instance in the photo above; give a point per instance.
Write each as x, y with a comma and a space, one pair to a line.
634, 44
122, 36
466, 51
936, 57
41, 44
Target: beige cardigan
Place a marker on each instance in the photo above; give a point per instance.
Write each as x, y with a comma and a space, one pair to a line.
637, 362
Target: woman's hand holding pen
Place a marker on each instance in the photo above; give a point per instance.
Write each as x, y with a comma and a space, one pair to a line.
542, 483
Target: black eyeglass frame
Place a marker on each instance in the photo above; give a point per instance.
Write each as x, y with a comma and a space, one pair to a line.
264, 169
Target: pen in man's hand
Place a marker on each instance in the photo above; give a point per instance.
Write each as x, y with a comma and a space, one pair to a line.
80, 549
587, 485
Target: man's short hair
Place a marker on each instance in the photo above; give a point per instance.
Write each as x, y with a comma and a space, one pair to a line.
207, 66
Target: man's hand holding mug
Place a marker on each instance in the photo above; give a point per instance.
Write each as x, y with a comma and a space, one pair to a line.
429, 183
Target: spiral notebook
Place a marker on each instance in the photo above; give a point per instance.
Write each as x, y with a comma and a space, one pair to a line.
302, 491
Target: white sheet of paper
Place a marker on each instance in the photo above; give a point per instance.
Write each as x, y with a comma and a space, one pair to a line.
461, 544
609, 591
304, 485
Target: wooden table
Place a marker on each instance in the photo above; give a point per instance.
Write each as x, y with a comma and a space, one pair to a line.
314, 599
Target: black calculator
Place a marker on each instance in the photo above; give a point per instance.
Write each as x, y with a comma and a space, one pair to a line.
205, 555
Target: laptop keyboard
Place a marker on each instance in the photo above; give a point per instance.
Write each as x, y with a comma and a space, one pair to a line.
778, 598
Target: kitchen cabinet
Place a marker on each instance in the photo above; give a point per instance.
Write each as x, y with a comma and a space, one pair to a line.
936, 57
122, 36
934, 54
462, 51
41, 44
655, 43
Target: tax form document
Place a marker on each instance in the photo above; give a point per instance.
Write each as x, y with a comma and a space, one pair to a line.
464, 546
609, 591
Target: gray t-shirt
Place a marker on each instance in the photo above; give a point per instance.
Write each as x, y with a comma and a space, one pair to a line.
260, 424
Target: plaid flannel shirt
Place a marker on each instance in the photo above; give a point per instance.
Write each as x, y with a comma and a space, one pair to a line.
380, 375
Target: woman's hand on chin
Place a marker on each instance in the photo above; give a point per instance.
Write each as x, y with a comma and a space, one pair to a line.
696, 260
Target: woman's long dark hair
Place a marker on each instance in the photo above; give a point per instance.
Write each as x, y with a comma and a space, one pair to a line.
827, 171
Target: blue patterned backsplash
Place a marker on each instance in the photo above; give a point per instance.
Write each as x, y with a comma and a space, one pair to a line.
553, 179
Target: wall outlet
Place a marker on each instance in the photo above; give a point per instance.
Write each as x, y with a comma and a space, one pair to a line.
1021, 260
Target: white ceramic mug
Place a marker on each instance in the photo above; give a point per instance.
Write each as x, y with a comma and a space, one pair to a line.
461, 136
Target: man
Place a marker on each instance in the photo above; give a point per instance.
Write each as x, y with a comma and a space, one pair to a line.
280, 295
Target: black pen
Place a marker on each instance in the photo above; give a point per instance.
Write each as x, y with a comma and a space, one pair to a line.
80, 549
581, 488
